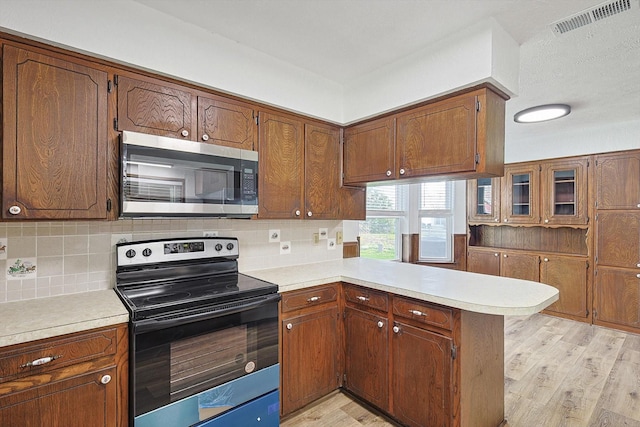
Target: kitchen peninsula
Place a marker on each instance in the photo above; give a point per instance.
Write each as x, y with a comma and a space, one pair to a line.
423, 344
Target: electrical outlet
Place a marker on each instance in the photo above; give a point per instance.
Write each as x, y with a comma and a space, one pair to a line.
316, 238
338, 237
210, 234
324, 233
285, 248
331, 244
274, 236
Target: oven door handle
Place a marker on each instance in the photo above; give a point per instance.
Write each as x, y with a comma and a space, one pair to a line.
148, 325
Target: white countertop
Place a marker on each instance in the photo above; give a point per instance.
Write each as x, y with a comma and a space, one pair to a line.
29, 320
467, 291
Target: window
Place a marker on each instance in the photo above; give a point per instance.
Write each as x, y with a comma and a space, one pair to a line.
436, 221
424, 208
381, 233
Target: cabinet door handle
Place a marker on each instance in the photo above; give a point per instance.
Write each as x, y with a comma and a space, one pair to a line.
313, 299
15, 210
289, 326
184, 133
362, 298
380, 323
297, 213
106, 379
546, 260
41, 361
205, 137
638, 275
309, 214
417, 313
638, 265
496, 254
388, 173
546, 221
396, 329
505, 255
497, 220
402, 171
506, 220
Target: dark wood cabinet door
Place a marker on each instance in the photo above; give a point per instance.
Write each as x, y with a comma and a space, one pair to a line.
483, 200
439, 138
618, 181
76, 401
570, 276
369, 152
520, 266
226, 122
618, 239
564, 193
321, 171
366, 356
616, 297
281, 160
310, 364
483, 261
422, 369
156, 108
520, 195
54, 137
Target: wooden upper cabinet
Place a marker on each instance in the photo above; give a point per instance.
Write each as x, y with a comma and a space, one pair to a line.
369, 152
227, 122
55, 144
520, 266
281, 163
618, 181
565, 192
156, 107
438, 138
618, 239
520, 194
322, 169
570, 275
483, 200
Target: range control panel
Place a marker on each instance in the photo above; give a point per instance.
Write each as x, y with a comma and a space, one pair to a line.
166, 250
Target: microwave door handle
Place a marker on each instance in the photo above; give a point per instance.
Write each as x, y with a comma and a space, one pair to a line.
148, 325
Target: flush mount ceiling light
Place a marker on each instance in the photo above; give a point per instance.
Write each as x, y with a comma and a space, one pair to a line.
542, 113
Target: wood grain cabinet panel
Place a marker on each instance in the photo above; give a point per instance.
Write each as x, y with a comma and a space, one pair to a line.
367, 356
85, 385
483, 261
618, 239
322, 171
281, 159
227, 122
310, 351
421, 391
565, 193
570, 275
306, 298
369, 152
156, 107
55, 145
618, 181
616, 299
366, 297
520, 266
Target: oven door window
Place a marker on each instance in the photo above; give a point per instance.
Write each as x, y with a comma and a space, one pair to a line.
174, 363
159, 175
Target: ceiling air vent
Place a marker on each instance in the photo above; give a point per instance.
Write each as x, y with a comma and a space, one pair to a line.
605, 10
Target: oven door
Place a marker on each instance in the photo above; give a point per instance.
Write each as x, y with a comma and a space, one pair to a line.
190, 367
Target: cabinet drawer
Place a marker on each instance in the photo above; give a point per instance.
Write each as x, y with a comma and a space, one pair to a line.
19, 361
423, 312
367, 297
295, 300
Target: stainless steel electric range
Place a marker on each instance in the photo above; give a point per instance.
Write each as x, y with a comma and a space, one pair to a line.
203, 337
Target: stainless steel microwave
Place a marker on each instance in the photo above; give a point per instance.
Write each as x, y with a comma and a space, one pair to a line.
170, 177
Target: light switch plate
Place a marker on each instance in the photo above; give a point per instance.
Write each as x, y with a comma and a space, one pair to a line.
274, 235
316, 238
285, 248
339, 237
331, 244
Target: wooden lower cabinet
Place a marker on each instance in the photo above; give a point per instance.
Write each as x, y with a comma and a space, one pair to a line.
616, 301
367, 356
310, 345
422, 377
570, 275
84, 385
520, 266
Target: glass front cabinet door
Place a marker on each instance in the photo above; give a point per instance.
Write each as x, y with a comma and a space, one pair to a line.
521, 201
565, 192
483, 204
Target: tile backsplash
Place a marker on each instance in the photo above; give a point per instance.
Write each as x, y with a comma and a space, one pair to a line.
41, 259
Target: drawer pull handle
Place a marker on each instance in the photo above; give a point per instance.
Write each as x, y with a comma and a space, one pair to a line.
417, 313
289, 326
105, 379
361, 298
380, 323
41, 361
313, 299
396, 329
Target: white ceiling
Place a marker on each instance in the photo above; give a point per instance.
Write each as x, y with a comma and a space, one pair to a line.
595, 68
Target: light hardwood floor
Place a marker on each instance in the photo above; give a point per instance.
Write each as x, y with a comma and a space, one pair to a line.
557, 373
